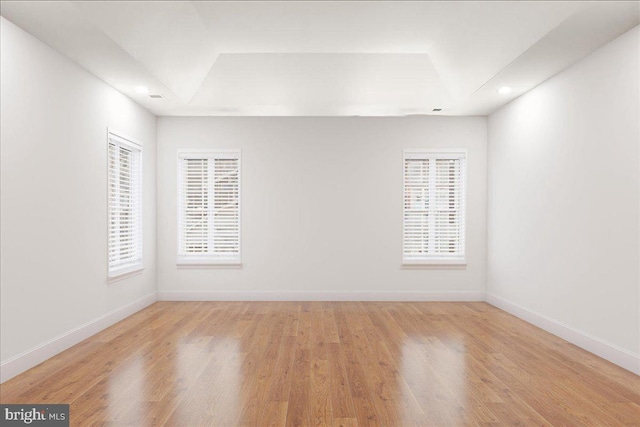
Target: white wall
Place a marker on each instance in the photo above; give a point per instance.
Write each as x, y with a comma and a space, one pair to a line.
321, 206
564, 200
54, 195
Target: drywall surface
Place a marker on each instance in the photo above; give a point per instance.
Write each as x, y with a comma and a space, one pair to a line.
54, 194
563, 197
321, 206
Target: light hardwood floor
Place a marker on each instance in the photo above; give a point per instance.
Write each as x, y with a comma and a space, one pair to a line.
329, 363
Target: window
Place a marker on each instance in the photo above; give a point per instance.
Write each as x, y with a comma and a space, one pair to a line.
209, 207
434, 207
125, 205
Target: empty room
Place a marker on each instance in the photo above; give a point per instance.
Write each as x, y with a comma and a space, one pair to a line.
320, 213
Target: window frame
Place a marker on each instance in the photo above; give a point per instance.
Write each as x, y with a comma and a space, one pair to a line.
207, 154
435, 154
121, 140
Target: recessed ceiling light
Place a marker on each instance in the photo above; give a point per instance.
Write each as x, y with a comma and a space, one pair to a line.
504, 90
142, 89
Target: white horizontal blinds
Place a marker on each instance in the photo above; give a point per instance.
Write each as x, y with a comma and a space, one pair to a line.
416, 226
209, 207
194, 218
226, 213
125, 205
448, 213
433, 219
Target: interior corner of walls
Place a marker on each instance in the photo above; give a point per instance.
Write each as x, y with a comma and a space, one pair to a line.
155, 210
487, 230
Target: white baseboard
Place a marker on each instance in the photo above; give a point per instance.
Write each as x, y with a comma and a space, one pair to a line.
319, 296
30, 358
595, 345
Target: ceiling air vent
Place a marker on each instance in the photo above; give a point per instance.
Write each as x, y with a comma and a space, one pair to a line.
156, 96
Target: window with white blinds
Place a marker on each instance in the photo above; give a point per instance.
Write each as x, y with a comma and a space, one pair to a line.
209, 207
125, 205
434, 207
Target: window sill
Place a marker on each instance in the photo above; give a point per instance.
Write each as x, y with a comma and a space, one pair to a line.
195, 264
435, 263
126, 272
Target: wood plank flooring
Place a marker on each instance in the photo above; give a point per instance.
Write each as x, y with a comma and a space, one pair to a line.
329, 364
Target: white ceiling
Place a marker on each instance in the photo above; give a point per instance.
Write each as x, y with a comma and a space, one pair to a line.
323, 58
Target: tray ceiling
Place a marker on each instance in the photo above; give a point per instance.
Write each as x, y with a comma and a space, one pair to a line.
368, 58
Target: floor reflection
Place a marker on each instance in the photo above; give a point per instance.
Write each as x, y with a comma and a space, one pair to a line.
125, 390
436, 376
